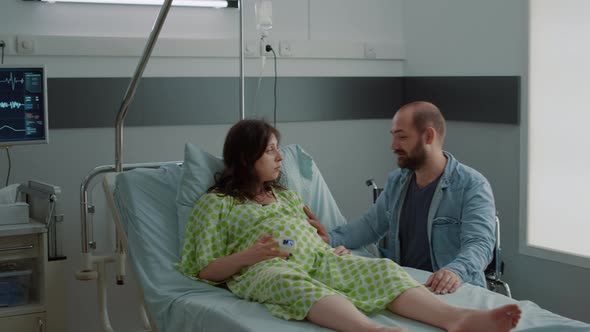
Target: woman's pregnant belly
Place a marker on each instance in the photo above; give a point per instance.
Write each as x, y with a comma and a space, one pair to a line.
294, 235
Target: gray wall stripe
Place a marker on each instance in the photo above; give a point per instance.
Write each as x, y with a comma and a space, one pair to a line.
493, 99
94, 102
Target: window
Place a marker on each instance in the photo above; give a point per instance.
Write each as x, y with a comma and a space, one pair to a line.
558, 188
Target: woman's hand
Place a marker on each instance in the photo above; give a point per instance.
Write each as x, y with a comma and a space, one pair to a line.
341, 250
225, 267
313, 220
265, 248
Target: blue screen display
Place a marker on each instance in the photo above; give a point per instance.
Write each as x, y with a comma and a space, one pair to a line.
22, 105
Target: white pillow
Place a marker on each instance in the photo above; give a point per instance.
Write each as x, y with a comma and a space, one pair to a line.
299, 174
302, 175
198, 175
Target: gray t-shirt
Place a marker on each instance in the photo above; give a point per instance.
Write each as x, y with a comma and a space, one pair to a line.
413, 235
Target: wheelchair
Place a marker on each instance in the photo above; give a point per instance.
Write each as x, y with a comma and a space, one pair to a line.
493, 271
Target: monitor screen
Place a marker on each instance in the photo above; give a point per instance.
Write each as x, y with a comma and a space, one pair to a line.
23, 105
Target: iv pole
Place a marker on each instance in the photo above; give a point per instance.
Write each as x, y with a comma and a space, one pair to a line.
141, 67
88, 271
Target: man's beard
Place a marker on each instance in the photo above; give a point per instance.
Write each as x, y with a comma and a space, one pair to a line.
414, 160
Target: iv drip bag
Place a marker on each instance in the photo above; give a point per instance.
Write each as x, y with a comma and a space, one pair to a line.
263, 10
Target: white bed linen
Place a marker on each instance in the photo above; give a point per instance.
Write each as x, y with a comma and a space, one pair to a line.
145, 199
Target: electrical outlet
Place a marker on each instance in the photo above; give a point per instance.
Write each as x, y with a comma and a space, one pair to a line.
370, 51
8, 43
285, 48
250, 49
25, 45
263, 48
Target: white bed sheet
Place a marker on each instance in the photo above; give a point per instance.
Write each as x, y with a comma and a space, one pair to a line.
145, 199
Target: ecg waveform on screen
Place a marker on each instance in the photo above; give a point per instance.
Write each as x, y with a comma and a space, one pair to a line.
12, 81
11, 104
10, 128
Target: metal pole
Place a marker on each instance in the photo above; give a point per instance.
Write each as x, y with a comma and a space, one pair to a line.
135, 81
242, 109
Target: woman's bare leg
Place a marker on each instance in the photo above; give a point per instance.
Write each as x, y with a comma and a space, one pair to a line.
421, 305
337, 313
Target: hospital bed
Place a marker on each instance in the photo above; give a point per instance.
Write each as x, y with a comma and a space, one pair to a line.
150, 203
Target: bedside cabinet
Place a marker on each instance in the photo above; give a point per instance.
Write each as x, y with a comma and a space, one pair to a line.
23, 265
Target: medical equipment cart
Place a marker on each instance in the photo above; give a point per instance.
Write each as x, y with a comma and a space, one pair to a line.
30, 259
23, 263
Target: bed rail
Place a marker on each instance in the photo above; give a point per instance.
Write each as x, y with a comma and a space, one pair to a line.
93, 266
86, 208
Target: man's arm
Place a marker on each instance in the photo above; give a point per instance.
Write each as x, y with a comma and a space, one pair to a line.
477, 232
369, 228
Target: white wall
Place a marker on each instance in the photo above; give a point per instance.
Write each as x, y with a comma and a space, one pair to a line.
210, 34
348, 152
467, 37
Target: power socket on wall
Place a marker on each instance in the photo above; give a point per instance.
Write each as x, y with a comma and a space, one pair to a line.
285, 48
263, 48
250, 49
370, 51
25, 44
8, 42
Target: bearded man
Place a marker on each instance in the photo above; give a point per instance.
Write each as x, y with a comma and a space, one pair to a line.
437, 213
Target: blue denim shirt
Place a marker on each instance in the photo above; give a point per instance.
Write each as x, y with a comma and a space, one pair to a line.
461, 221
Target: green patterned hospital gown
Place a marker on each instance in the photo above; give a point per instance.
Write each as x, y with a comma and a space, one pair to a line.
221, 225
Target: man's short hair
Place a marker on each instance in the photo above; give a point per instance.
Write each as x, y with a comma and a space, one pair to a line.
425, 114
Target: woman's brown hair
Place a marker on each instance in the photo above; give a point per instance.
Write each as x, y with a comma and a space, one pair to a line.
244, 144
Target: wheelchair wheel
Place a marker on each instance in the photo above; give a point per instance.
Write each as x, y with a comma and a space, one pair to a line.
499, 286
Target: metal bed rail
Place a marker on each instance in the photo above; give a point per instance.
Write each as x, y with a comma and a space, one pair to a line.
93, 267
86, 207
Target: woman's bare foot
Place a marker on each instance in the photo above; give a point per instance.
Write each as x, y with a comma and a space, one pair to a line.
501, 319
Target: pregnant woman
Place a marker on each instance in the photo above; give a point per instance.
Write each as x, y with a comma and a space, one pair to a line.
251, 233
